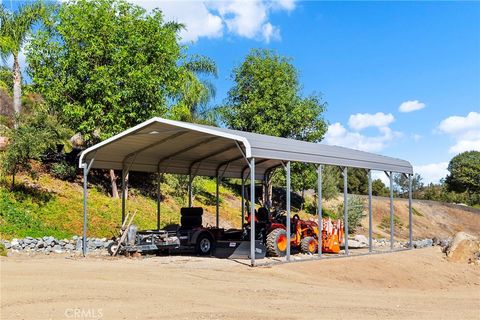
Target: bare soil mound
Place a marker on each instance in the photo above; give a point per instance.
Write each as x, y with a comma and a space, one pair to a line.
464, 248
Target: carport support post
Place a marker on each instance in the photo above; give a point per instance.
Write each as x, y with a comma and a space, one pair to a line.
288, 211
159, 195
252, 212
319, 209
86, 169
345, 207
370, 240
85, 193
217, 209
243, 201
391, 211
410, 218
190, 190
124, 174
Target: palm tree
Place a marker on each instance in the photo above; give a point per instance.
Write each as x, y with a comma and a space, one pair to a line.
196, 91
14, 29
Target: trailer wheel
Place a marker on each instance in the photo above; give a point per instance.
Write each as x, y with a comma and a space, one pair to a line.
112, 247
308, 245
204, 245
277, 243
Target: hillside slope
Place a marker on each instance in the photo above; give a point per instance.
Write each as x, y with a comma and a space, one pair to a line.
49, 206
430, 219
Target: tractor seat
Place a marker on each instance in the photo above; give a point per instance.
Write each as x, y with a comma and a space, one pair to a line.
262, 215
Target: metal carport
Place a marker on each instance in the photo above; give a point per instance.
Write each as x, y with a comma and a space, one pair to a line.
166, 146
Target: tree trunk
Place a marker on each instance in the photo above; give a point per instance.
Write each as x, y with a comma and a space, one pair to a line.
126, 186
303, 198
270, 189
17, 89
12, 187
113, 180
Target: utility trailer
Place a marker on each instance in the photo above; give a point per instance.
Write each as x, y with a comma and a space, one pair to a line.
189, 236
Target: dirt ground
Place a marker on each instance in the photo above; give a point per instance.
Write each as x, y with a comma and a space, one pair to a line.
417, 284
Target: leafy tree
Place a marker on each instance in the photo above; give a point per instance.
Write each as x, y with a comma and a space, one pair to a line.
464, 173
266, 99
330, 181
196, 92
379, 188
6, 79
36, 133
14, 29
356, 212
107, 65
401, 183
6, 103
357, 181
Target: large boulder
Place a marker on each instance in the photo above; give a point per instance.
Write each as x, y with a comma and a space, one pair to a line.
422, 243
77, 141
464, 248
354, 244
361, 238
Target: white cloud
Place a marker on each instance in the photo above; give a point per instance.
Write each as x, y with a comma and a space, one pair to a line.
270, 32
244, 18
465, 145
211, 19
432, 172
464, 130
198, 20
337, 134
361, 121
288, 5
411, 105
459, 124
416, 137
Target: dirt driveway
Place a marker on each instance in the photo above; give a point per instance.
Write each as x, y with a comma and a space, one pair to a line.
417, 284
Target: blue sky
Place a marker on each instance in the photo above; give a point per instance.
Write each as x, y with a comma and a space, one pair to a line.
367, 59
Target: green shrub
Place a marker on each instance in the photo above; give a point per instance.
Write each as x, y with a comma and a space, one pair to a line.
310, 205
3, 250
356, 212
64, 171
328, 213
19, 218
385, 224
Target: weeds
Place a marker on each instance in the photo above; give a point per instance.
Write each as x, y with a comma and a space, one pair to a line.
385, 224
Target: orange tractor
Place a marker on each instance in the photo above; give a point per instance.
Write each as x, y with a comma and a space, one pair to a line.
304, 234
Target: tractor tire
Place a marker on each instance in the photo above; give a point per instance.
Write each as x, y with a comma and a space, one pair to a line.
309, 245
277, 243
204, 245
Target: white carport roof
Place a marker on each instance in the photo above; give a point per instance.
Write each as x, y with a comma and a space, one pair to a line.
178, 147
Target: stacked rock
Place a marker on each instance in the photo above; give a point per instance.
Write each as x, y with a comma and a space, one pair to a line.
49, 244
